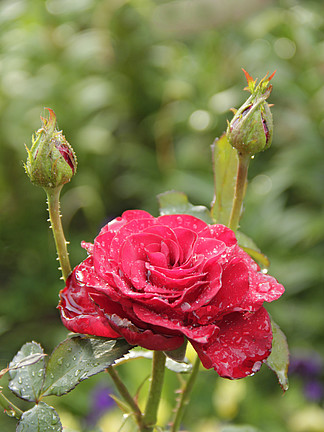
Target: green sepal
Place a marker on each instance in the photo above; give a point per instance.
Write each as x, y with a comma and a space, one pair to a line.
174, 202
40, 418
278, 361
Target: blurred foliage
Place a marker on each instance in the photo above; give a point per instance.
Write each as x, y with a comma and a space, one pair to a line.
141, 88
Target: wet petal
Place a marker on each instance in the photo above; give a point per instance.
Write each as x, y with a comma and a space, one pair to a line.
184, 221
219, 232
235, 286
241, 346
145, 338
79, 314
200, 334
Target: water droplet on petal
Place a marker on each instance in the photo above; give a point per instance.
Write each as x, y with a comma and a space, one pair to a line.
185, 306
256, 366
264, 287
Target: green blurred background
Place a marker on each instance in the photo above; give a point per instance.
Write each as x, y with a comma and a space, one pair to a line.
141, 88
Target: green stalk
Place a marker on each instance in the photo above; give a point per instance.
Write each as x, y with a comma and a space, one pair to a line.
185, 396
240, 187
152, 405
53, 200
123, 391
9, 407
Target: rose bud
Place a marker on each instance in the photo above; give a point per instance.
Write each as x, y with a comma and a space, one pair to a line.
51, 160
251, 128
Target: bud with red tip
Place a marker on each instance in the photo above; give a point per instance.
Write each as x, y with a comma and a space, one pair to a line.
51, 160
251, 128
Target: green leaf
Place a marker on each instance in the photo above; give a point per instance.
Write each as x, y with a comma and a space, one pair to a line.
174, 366
27, 371
40, 418
278, 361
225, 162
174, 202
178, 354
248, 245
77, 359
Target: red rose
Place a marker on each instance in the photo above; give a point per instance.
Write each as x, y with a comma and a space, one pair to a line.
156, 281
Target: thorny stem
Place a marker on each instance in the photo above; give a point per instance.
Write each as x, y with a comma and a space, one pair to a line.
53, 200
185, 396
152, 405
123, 391
240, 187
9, 407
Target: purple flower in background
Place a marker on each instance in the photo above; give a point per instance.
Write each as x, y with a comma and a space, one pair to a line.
314, 390
308, 364
309, 367
100, 403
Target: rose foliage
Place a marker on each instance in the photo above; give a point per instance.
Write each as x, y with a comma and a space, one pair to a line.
159, 281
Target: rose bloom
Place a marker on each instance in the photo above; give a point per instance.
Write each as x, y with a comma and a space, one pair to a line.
159, 281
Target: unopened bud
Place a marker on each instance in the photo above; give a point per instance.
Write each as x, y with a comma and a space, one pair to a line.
51, 160
251, 128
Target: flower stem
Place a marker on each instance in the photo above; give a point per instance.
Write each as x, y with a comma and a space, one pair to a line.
53, 200
123, 391
9, 407
240, 187
185, 396
150, 414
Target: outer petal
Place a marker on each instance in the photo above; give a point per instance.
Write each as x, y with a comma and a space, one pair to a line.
145, 338
219, 232
200, 334
183, 221
241, 346
79, 313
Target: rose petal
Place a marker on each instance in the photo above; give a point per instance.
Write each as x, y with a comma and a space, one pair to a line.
209, 248
79, 314
241, 346
235, 286
200, 334
219, 232
145, 338
184, 221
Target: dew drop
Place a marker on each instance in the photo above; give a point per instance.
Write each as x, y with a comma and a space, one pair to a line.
60, 361
185, 306
20, 380
256, 366
264, 287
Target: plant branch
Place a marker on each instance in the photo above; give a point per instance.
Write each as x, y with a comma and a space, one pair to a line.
123, 391
158, 367
53, 200
240, 187
185, 396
